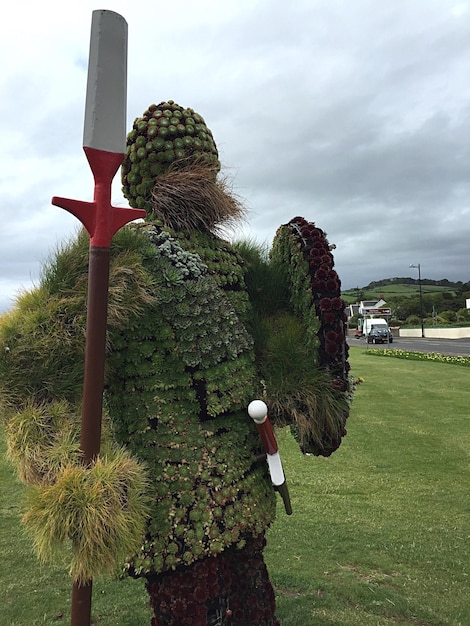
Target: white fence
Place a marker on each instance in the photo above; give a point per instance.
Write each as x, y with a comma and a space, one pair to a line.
436, 333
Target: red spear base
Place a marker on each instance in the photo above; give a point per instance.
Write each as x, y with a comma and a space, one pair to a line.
81, 603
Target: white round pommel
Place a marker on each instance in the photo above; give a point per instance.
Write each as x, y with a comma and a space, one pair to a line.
258, 411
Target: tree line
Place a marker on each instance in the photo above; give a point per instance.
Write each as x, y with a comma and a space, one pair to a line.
436, 307
457, 286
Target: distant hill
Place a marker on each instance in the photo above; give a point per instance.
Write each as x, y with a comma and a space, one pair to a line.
393, 288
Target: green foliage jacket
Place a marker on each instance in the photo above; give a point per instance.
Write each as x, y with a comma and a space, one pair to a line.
180, 374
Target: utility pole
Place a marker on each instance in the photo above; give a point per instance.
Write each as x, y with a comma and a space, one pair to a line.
420, 297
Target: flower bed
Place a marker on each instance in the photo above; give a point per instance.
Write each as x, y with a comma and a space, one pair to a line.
421, 356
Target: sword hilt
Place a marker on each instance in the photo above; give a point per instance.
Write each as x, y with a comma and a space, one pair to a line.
258, 411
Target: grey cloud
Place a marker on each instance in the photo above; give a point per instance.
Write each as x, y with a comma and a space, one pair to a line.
355, 115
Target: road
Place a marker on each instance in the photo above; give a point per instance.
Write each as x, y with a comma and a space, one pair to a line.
456, 347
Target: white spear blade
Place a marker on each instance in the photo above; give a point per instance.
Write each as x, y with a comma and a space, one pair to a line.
106, 95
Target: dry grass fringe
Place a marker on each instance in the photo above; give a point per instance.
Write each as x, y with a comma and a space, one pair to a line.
65, 277
298, 392
42, 440
316, 413
100, 510
190, 197
42, 338
131, 289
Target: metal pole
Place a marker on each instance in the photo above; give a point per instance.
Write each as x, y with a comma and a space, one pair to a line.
104, 146
421, 300
102, 221
418, 267
95, 349
81, 604
93, 384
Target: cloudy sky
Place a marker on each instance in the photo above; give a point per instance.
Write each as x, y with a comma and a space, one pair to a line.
352, 113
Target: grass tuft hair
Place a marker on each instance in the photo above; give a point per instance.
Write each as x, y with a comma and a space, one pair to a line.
190, 197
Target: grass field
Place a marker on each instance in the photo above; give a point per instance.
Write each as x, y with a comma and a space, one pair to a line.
380, 531
398, 290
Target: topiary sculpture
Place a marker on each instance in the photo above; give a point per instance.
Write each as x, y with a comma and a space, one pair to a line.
197, 329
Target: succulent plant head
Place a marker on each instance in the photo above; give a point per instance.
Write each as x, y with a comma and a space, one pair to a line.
167, 136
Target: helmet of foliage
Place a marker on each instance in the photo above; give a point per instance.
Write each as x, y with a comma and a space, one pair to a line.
167, 136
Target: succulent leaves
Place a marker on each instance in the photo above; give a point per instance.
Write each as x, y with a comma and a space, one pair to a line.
180, 374
181, 382
167, 135
302, 249
301, 353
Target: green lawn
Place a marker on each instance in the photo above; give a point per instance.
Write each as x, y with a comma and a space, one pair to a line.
380, 530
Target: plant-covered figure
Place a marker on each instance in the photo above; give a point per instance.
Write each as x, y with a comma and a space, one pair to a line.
198, 328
